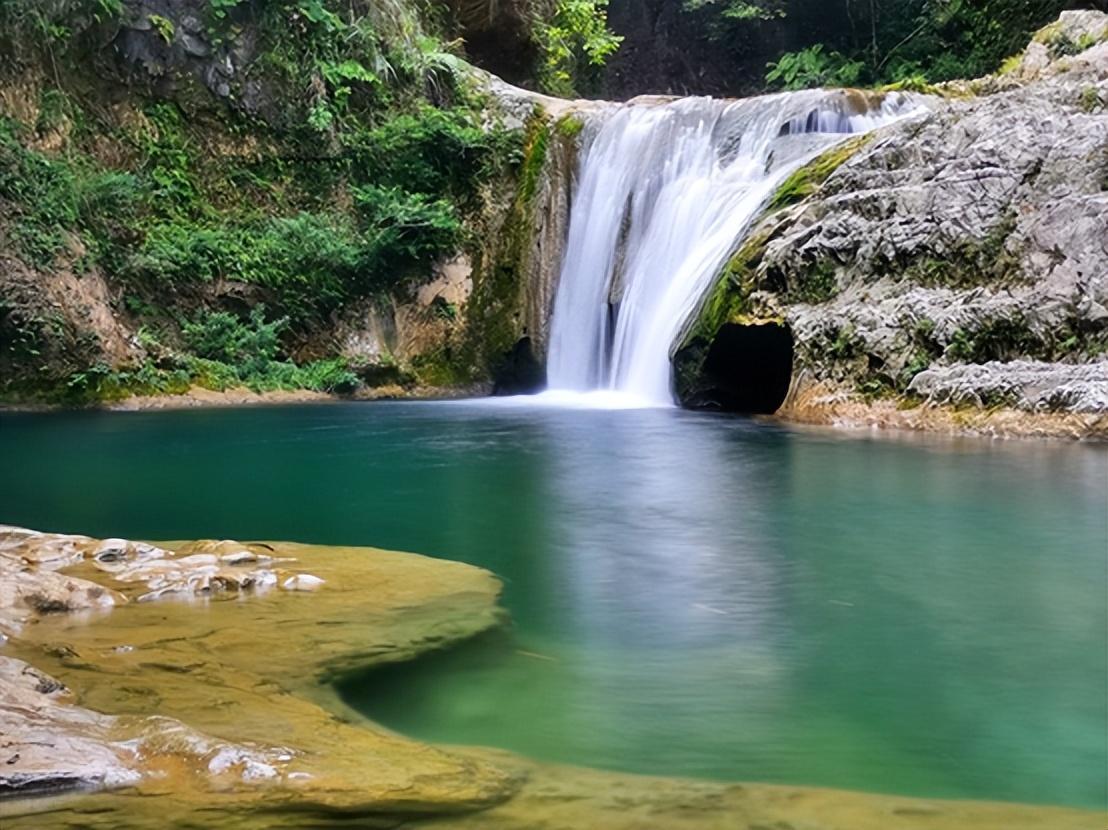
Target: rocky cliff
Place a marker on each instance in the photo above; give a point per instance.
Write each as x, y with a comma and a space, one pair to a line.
957, 258
220, 194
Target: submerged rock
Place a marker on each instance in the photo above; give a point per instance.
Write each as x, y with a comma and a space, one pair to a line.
224, 672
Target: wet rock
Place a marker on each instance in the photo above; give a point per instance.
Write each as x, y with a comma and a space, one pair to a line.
233, 675
50, 745
974, 235
302, 582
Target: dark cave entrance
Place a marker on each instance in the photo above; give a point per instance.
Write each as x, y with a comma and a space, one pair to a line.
746, 369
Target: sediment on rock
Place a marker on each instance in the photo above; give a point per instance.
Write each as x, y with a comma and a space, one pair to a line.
215, 637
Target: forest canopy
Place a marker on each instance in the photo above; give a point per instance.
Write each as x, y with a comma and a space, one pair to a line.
864, 42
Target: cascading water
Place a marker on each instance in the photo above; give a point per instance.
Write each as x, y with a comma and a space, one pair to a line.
666, 191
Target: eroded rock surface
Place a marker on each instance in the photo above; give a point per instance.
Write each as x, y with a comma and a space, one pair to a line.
214, 637
975, 235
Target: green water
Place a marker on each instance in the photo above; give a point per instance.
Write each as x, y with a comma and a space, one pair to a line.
691, 595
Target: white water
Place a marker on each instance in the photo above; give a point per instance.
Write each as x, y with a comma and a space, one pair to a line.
665, 194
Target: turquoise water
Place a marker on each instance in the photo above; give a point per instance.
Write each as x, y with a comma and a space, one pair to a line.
691, 595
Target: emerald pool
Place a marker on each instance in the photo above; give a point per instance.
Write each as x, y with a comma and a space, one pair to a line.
690, 594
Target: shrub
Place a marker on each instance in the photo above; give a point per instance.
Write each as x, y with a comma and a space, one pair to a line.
221, 336
813, 67
575, 40
432, 151
404, 230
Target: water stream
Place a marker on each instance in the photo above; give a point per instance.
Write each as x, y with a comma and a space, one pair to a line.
690, 594
666, 191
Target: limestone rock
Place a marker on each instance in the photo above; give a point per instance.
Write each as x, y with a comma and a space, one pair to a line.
974, 235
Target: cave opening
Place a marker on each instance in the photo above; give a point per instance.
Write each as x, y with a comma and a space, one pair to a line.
747, 370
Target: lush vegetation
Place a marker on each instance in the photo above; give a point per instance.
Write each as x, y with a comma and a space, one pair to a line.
234, 231
575, 42
859, 42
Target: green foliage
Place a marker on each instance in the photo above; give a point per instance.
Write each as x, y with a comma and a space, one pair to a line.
164, 27
1090, 99
537, 144
574, 41
853, 42
357, 183
968, 263
405, 229
432, 151
221, 336
569, 126
1000, 339
813, 67
808, 179
50, 198
220, 8
167, 160
818, 284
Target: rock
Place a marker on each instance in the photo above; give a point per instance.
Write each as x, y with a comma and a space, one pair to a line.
195, 46
110, 550
51, 745
302, 582
1022, 384
975, 235
233, 675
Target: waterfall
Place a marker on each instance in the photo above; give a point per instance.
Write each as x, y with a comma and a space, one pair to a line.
666, 191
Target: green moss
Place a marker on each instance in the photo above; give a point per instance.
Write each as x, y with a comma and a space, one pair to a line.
729, 299
536, 147
493, 324
1011, 64
808, 179
970, 263
570, 126
1001, 339
1090, 99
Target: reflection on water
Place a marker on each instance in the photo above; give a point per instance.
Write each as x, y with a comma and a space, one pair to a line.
691, 594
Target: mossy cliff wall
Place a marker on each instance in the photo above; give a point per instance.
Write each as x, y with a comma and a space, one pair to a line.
290, 194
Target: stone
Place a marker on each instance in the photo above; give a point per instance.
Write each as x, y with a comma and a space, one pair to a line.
194, 46
302, 582
970, 242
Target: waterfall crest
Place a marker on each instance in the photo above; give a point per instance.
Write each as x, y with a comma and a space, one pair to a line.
666, 192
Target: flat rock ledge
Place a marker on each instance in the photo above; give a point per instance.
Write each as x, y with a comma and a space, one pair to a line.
186, 685
988, 401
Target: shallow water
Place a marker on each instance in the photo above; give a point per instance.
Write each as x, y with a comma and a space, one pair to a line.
692, 595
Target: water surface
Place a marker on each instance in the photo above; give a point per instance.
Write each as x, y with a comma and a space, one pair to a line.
691, 595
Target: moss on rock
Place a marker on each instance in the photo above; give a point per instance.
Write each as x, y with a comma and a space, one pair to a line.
808, 179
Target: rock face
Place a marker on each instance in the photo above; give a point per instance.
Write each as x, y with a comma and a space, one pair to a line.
974, 235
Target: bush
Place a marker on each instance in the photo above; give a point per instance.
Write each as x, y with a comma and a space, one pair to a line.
53, 196
221, 336
432, 151
312, 262
813, 67
575, 41
180, 252
404, 230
